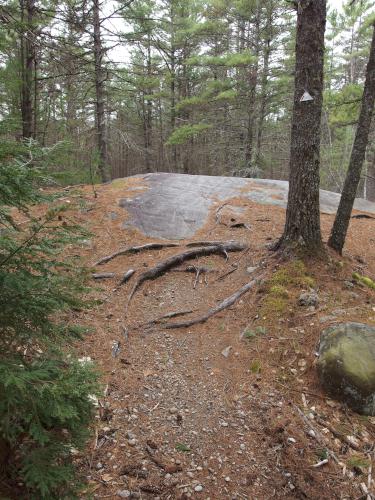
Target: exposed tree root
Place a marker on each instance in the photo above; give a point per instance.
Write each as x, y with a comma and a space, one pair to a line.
229, 301
126, 277
176, 260
136, 249
103, 276
211, 243
170, 315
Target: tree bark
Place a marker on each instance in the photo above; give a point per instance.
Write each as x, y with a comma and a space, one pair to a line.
353, 176
302, 227
370, 185
100, 78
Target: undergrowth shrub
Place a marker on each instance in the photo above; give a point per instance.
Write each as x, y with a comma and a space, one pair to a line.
46, 395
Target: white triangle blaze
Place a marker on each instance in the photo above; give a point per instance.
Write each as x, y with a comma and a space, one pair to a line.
306, 97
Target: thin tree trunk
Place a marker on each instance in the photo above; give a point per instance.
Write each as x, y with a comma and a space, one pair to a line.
100, 78
302, 227
264, 84
253, 82
173, 84
27, 63
353, 176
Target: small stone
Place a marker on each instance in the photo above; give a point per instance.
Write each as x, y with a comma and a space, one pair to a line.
308, 299
123, 493
99, 466
173, 410
227, 479
198, 488
132, 442
225, 352
251, 269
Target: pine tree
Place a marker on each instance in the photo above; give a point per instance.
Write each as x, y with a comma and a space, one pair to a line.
46, 403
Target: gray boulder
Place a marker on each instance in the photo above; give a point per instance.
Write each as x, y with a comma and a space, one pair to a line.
346, 365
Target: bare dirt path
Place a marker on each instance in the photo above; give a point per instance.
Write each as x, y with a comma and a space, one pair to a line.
212, 411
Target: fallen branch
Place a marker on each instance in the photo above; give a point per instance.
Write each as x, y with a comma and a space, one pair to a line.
176, 260
136, 249
229, 301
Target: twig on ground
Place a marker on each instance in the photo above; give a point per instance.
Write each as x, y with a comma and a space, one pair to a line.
318, 436
217, 212
338, 434
178, 259
222, 276
229, 301
135, 249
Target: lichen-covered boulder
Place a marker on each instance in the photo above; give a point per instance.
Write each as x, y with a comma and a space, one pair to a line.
346, 365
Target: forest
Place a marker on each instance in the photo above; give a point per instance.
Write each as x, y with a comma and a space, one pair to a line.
176, 86
187, 264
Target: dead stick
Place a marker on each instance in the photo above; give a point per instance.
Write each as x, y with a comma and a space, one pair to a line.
136, 249
338, 434
319, 437
196, 278
176, 260
229, 301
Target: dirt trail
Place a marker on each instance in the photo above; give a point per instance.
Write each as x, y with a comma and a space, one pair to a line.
212, 411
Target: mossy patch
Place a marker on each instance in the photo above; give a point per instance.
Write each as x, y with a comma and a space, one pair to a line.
279, 288
293, 273
274, 305
256, 332
255, 366
279, 291
364, 280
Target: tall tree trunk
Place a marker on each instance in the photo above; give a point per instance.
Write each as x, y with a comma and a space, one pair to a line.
27, 64
302, 227
100, 78
264, 83
173, 83
253, 82
149, 109
353, 176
